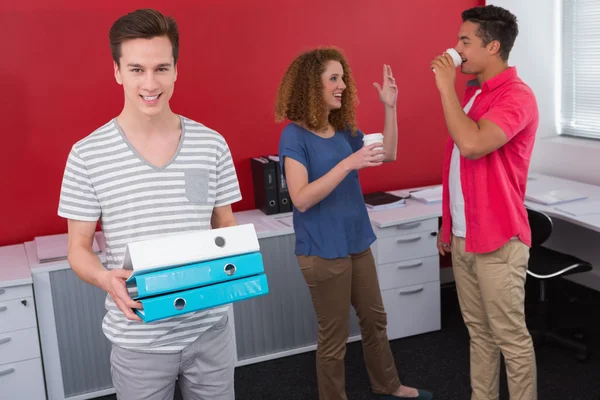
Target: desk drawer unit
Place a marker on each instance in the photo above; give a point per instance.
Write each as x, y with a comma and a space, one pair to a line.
22, 380
19, 345
406, 273
406, 247
412, 310
427, 225
17, 314
15, 292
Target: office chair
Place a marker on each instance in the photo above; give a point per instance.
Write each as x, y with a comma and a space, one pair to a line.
546, 264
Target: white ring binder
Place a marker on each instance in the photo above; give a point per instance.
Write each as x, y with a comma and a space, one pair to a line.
220, 241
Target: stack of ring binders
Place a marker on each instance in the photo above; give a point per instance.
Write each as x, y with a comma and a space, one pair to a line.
178, 274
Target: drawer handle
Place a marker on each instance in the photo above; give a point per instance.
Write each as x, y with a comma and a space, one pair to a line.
5, 340
409, 239
7, 371
408, 226
411, 291
411, 265
2, 291
3, 308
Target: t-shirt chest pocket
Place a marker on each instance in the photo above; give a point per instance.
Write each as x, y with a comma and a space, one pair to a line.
197, 186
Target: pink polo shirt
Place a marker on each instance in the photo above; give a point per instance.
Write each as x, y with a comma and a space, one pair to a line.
494, 185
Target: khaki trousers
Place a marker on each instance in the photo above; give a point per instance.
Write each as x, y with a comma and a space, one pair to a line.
334, 285
491, 293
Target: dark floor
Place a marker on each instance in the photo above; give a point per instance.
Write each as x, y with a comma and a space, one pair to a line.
439, 361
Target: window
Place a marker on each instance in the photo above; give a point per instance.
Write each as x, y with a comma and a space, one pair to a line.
580, 113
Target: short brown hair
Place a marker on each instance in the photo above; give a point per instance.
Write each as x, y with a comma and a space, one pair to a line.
300, 96
143, 24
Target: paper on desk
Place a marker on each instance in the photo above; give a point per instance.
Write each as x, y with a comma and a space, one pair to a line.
580, 208
432, 195
555, 197
287, 220
272, 224
55, 247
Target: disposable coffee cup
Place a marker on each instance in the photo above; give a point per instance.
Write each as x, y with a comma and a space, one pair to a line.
455, 57
373, 138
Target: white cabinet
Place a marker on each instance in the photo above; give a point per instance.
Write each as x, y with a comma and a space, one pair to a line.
23, 380
407, 273
17, 314
21, 375
412, 310
17, 345
408, 267
76, 353
406, 247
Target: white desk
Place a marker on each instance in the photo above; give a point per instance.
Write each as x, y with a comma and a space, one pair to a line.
70, 312
576, 235
75, 351
21, 374
541, 183
281, 224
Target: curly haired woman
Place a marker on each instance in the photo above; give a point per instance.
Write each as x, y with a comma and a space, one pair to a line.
321, 151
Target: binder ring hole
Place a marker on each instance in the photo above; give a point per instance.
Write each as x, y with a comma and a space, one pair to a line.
272, 203
179, 303
230, 269
220, 241
284, 200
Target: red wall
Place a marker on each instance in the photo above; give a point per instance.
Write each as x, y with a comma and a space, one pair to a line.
57, 84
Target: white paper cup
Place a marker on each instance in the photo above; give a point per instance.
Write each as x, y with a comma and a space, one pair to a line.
373, 138
455, 57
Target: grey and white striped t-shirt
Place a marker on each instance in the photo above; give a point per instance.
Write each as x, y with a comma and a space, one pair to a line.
106, 178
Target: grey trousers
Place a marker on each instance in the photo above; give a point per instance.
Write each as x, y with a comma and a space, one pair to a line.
204, 370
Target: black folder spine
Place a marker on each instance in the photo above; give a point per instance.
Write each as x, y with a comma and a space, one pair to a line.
264, 180
283, 195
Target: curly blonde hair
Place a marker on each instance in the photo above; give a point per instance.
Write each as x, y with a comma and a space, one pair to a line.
300, 95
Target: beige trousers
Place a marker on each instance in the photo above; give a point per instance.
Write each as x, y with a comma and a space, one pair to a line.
491, 293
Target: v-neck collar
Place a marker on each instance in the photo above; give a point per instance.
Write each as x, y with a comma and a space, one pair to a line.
141, 158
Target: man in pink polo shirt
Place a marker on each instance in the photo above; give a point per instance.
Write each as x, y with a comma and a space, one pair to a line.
484, 221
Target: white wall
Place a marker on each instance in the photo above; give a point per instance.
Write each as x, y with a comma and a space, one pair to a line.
536, 55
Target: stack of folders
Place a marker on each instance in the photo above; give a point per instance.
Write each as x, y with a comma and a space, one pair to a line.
383, 201
177, 274
271, 194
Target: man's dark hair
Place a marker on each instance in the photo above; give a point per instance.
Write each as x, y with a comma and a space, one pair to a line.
495, 23
143, 24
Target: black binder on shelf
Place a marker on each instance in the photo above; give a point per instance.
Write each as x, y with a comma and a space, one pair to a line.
283, 195
264, 180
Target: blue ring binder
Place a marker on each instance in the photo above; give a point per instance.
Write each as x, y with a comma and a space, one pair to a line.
161, 307
188, 288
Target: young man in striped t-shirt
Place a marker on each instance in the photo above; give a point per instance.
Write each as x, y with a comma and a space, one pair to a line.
146, 173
